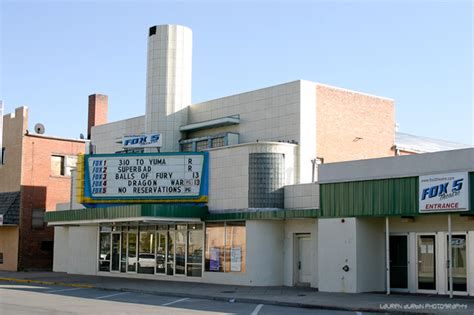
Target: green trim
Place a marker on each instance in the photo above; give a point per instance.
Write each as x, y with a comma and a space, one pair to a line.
128, 211
280, 214
376, 198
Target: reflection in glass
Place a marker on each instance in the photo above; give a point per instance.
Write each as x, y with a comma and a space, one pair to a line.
115, 252
146, 256
180, 253
104, 254
215, 242
160, 252
426, 262
123, 259
458, 246
170, 254
132, 252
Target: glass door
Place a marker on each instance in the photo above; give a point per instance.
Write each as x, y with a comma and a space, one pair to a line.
426, 262
161, 252
115, 265
132, 253
399, 261
123, 256
180, 250
458, 247
170, 254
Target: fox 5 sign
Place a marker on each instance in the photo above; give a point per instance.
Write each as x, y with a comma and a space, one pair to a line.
444, 193
142, 141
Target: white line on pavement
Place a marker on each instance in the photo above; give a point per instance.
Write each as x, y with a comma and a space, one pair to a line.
359, 313
174, 302
257, 309
63, 290
110, 295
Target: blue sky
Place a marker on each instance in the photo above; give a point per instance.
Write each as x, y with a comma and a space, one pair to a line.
54, 54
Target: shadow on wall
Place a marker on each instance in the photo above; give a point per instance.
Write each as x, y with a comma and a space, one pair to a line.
36, 239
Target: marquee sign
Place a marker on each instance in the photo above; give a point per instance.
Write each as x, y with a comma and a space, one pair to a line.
150, 140
145, 177
444, 193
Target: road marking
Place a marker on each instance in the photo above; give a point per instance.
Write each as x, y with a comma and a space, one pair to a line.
257, 309
110, 295
359, 313
174, 302
63, 290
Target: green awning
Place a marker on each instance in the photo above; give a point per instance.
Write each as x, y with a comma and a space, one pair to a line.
141, 211
279, 214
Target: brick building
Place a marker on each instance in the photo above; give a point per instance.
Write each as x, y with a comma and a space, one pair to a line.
34, 176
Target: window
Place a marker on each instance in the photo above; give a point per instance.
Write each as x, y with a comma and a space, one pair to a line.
225, 247
166, 249
187, 147
202, 145
1, 258
37, 218
47, 246
2, 157
57, 165
217, 142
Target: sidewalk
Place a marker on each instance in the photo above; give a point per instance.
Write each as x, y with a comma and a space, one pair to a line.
284, 296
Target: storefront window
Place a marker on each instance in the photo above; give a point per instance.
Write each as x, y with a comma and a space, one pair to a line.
171, 249
215, 244
225, 247
235, 247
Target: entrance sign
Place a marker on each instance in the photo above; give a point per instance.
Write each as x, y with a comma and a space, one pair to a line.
145, 177
444, 193
150, 140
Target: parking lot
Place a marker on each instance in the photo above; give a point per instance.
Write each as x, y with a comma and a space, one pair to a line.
24, 298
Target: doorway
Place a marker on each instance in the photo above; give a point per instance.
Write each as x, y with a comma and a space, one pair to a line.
426, 255
115, 264
399, 262
459, 256
303, 259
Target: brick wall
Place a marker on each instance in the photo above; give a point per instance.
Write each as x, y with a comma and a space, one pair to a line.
41, 190
353, 126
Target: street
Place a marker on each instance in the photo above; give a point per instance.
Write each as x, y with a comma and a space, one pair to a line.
27, 298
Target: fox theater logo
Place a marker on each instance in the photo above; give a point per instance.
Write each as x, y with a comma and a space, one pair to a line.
443, 192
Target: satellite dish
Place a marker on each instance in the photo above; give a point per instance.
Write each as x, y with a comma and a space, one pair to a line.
39, 129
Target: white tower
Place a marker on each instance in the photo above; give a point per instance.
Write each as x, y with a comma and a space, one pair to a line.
168, 84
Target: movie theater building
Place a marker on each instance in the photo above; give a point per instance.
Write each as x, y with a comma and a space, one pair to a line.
220, 191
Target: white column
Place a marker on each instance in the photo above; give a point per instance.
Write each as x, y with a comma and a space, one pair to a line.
168, 89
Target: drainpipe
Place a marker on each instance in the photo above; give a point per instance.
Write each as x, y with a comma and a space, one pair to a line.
387, 254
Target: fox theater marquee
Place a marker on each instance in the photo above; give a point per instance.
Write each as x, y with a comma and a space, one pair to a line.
165, 177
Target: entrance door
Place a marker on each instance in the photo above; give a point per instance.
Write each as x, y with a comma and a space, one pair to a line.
426, 262
115, 264
132, 253
399, 261
304, 260
458, 245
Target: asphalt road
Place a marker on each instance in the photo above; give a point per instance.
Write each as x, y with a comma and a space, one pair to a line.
19, 298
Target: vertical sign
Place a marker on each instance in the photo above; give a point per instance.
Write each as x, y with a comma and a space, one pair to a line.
214, 261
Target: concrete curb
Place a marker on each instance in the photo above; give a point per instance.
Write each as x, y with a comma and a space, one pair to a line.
75, 285
219, 298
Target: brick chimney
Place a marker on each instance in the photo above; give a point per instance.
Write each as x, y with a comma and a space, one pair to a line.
98, 105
